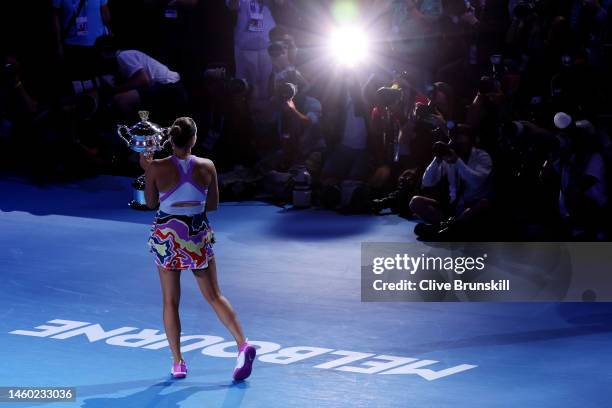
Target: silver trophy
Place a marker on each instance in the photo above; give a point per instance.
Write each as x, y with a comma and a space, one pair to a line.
143, 137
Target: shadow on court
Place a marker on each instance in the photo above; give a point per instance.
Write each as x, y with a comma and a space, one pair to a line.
170, 394
318, 225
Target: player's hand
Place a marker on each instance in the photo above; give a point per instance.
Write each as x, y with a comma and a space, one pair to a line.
146, 158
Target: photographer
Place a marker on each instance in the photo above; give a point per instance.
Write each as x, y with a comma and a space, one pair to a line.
349, 159
429, 128
144, 83
484, 114
581, 172
302, 114
416, 139
394, 124
466, 171
283, 66
297, 115
281, 36
393, 118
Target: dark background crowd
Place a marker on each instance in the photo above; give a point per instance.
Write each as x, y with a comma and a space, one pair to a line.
485, 120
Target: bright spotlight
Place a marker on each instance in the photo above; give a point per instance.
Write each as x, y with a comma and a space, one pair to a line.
349, 45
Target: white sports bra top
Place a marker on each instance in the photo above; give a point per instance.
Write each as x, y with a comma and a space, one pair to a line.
186, 198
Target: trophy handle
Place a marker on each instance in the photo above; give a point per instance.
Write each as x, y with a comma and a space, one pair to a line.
120, 130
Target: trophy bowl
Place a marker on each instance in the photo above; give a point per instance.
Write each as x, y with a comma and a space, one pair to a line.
143, 137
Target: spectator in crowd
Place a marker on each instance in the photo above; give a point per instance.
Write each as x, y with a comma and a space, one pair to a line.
143, 82
77, 24
466, 170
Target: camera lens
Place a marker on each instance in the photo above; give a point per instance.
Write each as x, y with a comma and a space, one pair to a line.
286, 90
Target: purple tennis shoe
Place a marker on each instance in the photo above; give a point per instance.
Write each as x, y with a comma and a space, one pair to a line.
179, 370
244, 365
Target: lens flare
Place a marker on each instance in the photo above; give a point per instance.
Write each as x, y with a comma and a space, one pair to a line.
349, 45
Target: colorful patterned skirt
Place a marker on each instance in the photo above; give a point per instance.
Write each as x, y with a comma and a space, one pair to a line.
181, 241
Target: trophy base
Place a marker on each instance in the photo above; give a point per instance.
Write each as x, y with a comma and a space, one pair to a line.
138, 201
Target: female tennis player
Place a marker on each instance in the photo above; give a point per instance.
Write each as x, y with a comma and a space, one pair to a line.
185, 188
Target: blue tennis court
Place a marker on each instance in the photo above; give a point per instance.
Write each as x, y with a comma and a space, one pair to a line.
80, 303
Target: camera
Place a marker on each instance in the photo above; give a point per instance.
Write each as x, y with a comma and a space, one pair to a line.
288, 83
426, 116
285, 91
422, 110
388, 96
398, 200
441, 149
